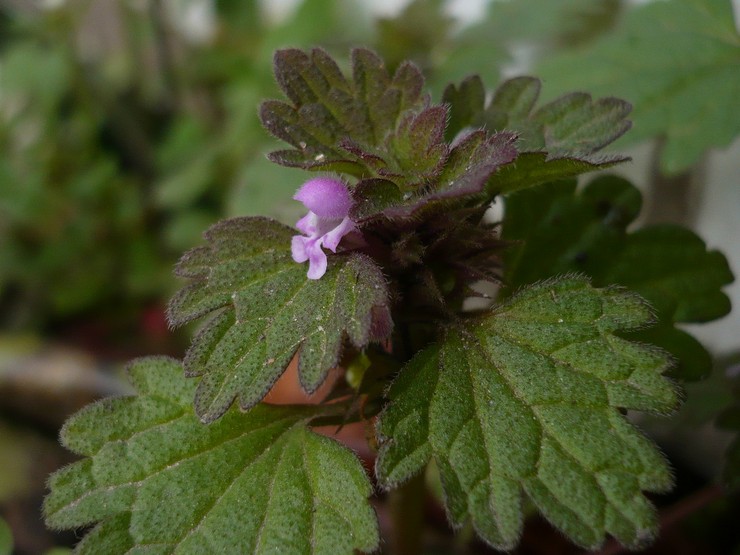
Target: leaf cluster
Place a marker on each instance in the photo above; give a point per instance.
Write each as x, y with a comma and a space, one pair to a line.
521, 402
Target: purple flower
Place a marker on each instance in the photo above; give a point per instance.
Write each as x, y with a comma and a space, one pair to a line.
327, 221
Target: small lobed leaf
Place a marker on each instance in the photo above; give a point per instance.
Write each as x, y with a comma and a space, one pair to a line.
560, 230
356, 124
572, 125
156, 480
528, 400
556, 141
464, 175
262, 310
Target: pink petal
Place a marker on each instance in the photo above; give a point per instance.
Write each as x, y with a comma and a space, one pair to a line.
298, 248
331, 239
317, 261
325, 197
308, 224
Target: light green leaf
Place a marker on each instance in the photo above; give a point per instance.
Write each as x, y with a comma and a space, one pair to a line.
559, 21
528, 399
156, 480
678, 63
558, 230
263, 310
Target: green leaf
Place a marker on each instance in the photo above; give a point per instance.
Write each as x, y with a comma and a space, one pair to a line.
678, 63
556, 141
562, 22
534, 168
158, 481
263, 310
465, 173
485, 45
528, 399
327, 110
572, 125
560, 230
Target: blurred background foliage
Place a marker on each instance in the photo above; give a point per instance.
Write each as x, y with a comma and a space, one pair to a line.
127, 127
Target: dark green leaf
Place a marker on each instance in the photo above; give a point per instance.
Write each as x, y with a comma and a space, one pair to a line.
534, 168
263, 310
528, 399
678, 63
556, 141
573, 125
156, 480
560, 230
327, 109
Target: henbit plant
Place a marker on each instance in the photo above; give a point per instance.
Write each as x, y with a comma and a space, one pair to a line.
522, 398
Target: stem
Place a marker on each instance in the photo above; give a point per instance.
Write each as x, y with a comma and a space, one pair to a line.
406, 506
674, 199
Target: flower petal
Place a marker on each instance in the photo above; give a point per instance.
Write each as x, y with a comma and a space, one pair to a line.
325, 197
298, 248
331, 239
317, 261
308, 224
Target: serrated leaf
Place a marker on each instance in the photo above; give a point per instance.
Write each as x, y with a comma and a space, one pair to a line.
528, 400
556, 141
355, 124
158, 481
678, 63
573, 125
465, 173
534, 168
560, 230
263, 310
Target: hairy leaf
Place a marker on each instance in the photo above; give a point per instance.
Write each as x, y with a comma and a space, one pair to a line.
534, 168
364, 125
678, 63
528, 400
560, 230
465, 174
556, 141
156, 480
572, 125
263, 310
